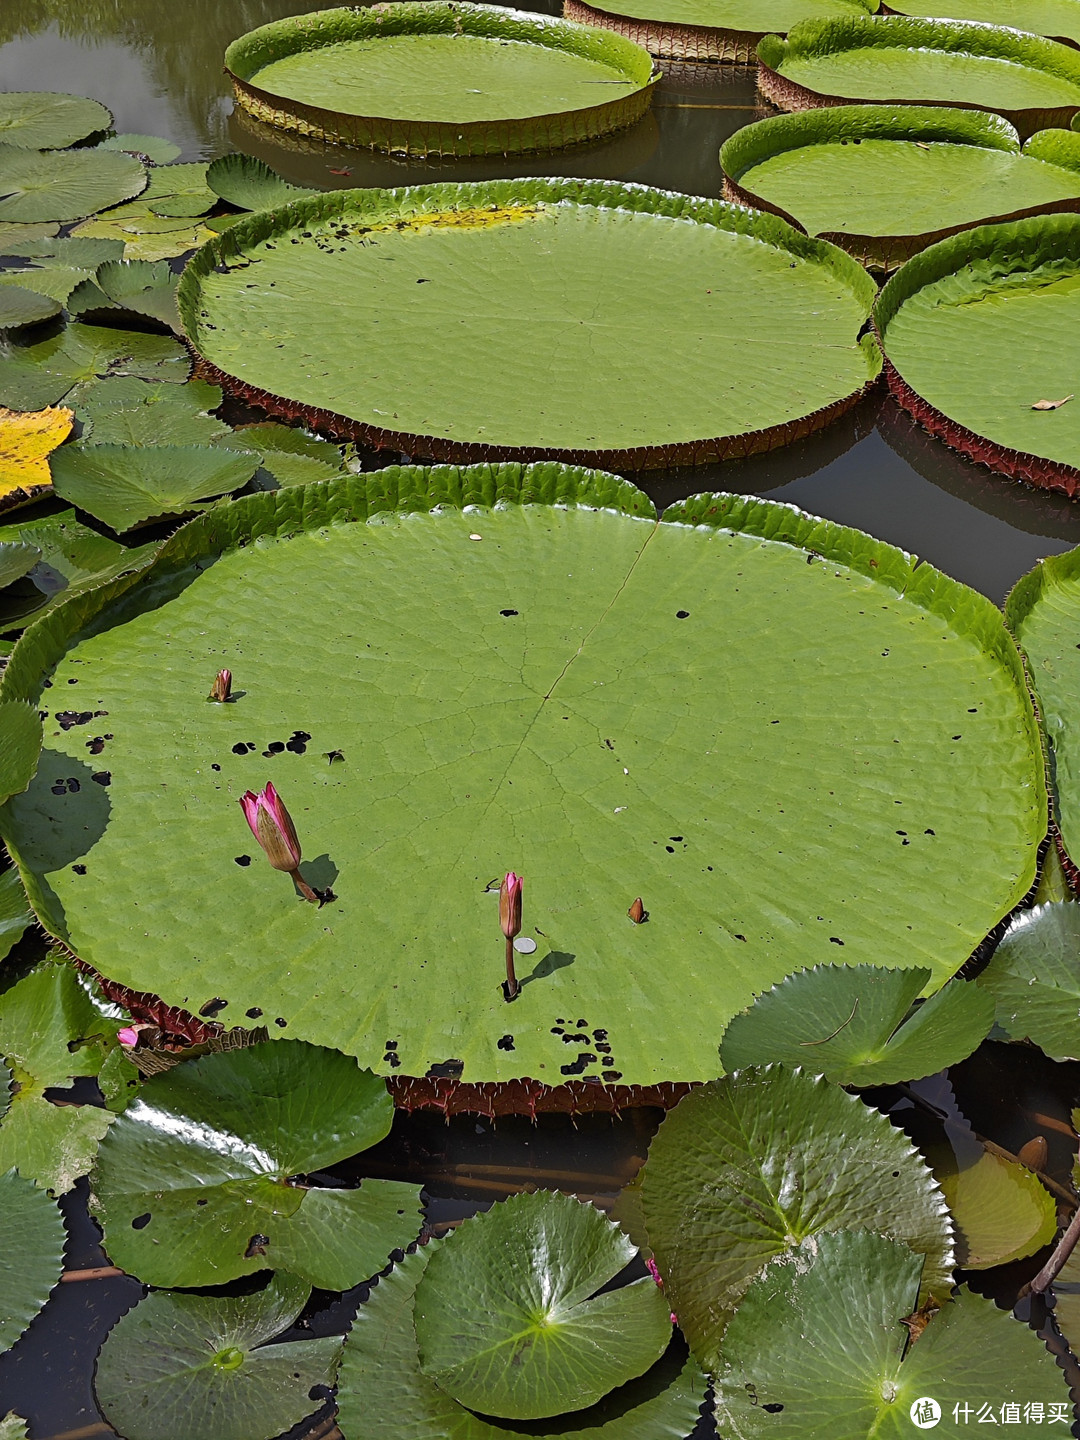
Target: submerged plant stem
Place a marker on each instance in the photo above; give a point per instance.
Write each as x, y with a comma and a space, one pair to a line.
1062, 1250
512, 986
304, 888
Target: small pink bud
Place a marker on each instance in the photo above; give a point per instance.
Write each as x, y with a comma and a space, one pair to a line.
222, 686
510, 905
654, 1271
128, 1037
272, 826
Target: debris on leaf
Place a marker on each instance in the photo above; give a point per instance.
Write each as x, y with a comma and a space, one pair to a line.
1051, 404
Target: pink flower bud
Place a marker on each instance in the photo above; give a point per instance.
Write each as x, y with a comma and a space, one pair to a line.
128, 1037
510, 905
272, 826
654, 1271
222, 686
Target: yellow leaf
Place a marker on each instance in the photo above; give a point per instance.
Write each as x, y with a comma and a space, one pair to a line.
26, 438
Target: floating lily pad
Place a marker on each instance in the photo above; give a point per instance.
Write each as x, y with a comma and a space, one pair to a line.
153, 147
879, 677
64, 184
125, 411
134, 287
442, 79
289, 457
1058, 19
251, 184
40, 374
181, 1365
1034, 979
817, 1347
16, 559
20, 746
745, 1169
508, 1316
73, 558
52, 1028
885, 181
19, 307
173, 192
15, 913
148, 238
578, 264
893, 59
126, 485
980, 331
46, 120
73, 253
26, 440
192, 1186
707, 29
13, 1427
32, 1255
18, 234
848, 1022
384, 1395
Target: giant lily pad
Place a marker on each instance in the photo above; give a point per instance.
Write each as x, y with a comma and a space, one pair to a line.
192, 1186
1034, 979
848, 1021
20, 746
52, 1028
817, 1347
440, 78
759, 342
747, 1168
126, 485
384, 1395
509, 1321
65, 184
32, 376
47, 120
981, 330
32, 1254
707, 29
181, 1365
885, 181
566, 728
1058, 19
896, 60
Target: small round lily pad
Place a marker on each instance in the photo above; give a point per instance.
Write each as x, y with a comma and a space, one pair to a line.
48, 120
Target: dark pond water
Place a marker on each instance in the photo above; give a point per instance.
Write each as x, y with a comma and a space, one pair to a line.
157, 65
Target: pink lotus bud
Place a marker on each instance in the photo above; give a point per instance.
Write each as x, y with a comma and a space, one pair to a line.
272, 826
654, 1271
128, 1037
222, 686
510, 905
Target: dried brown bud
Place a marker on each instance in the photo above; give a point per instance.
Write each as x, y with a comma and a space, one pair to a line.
1034, 1153
222, 687
637, 912
918, 1320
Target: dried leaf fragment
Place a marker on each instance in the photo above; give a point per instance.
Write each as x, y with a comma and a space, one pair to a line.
1051, 404
918, 1320
26, 439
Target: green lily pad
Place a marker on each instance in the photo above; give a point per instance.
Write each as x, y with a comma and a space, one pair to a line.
1033, 82
437, 78
64, 184
907, 684
848, 1022
384, 1395
1034, 979
13, 1427
147, 238
52, 1028
1043, 612
15, 912
191, 1184
155, 149
72, 253
748, 1168
126, 411
817, 1347
32, 1255
19, 234
19, 307
46, 120
20, 746
575, 263
709, 29
16, 559
289, 457
981, 328
885, 181
138, 287
126, 485
181, 1365
37, 375
508, 1316
173, 193
73, 558
251, 184
1058, 19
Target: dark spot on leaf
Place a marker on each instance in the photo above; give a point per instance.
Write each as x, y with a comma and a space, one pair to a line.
599, 1034
274, 748
256, 1246
102, 777
556, 1029
390, 1045
611, 1075
834, 941
508, 612
928, 832
333, 755
670, 849
243, 859
281, 1022
79, 869
603, 1047
506, 1042
73, 682
202, 1202
682, 614
577, 1066
581, 1024
392, 1059
141, 1221
240, 749
97, 745
774, 1407
212, 1007
215, 767
253, 1013
446, 1069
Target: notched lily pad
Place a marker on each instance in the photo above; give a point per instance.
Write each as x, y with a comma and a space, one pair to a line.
20, 746
509, 1320
126, 485
15, 912
36, 375
20, 306
855, 1024
1034, 979
64, 185
125, 411
49, 120
198, 1182
176, 1366
141, 288
153, 147
251, 184
32, 1253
